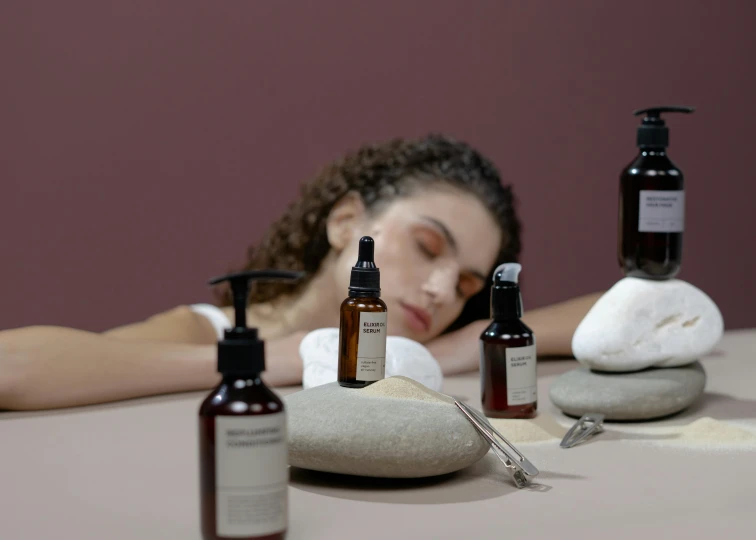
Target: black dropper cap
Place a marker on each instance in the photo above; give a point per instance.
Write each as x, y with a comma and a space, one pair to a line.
653, 132
366, 277
506, 300
241, 351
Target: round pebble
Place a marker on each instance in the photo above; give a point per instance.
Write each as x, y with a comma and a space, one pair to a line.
394, 428
643, 395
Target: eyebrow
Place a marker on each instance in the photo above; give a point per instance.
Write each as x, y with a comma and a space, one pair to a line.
452, 242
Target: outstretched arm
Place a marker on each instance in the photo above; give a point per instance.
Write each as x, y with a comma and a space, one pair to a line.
44, 367
553, 326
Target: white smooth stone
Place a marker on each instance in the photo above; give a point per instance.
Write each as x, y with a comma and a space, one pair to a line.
641, 323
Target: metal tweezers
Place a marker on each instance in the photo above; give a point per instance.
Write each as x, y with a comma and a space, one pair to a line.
518, 466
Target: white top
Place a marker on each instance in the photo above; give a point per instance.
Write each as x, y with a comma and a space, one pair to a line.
215, 315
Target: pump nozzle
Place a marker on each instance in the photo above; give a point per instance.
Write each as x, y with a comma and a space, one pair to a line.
241, 351
240, 282
654, 112
506, 300
653, 132
507, 272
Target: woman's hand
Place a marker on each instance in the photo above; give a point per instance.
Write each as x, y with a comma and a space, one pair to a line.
457, 352
553, 326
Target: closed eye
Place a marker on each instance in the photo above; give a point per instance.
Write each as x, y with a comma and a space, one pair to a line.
426, 251
468, 286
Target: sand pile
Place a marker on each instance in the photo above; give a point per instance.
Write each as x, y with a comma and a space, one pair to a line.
541, 428
707, 429
707, 433
404, 388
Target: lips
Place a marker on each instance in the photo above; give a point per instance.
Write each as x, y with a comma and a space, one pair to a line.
417, 318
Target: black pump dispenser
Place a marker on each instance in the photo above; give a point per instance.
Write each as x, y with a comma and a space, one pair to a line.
506, 299
241, 351
366, 277
653, 132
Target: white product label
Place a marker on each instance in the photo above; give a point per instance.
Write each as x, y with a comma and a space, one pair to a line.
371, 347
251, 475
661, 211
521, 375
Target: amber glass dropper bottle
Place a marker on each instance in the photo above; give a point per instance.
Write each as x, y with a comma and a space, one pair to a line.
242, 435
362, 326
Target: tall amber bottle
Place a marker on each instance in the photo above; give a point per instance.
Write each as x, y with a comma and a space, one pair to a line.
652, 203
363, 323
508, 352
242, 436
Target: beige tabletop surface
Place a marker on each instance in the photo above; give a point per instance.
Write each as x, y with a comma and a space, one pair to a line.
129, 471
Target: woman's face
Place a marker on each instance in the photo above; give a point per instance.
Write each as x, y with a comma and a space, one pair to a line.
434, 249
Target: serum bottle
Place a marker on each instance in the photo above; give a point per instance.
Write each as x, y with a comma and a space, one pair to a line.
508, 352
362, 323
652, 203
242, 435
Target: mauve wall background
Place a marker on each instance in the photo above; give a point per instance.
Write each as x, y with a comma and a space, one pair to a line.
144, 144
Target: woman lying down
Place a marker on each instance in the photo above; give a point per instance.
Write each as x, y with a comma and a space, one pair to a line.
441, 220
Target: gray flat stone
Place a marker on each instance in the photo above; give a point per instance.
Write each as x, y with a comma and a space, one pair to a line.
642, 395
352, 431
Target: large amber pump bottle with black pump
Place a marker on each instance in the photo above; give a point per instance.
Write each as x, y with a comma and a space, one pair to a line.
243, 456
652, 203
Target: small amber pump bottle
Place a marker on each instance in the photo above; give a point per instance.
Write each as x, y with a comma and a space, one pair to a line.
242, 435
508, 352
362, 326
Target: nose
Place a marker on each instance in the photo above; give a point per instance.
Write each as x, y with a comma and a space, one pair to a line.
442, 284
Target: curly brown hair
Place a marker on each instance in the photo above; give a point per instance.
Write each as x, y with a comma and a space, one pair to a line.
379, 173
